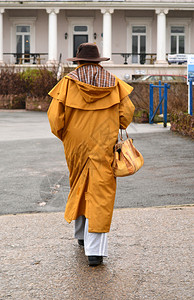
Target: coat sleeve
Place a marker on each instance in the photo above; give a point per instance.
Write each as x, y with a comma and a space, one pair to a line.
56, 116
56, 111
126, 111
126, 107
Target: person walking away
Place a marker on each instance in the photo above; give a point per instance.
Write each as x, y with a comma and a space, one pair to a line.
89, 106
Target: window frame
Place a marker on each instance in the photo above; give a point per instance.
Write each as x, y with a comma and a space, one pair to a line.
23, 34
147, 22
22, 21
186, 23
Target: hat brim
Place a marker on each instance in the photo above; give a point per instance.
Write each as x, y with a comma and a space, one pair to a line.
88, 59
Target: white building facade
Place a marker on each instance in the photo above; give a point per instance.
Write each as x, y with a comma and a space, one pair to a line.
136, 35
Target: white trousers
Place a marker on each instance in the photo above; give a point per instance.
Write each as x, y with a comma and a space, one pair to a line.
95, 244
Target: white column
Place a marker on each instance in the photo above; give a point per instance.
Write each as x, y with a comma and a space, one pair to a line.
52, 35
107, 32
161, 36
1, 35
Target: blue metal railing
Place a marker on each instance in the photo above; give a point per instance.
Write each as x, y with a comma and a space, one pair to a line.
152, 114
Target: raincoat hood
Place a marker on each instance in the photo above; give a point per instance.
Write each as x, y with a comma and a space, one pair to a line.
93, 82
92, 93
98, 90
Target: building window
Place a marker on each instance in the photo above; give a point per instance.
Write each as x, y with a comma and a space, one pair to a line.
179, 35
23, 42
177, 39
81, 28
22, 38
139, 32
138, 44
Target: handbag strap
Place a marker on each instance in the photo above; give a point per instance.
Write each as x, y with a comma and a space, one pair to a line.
121, 134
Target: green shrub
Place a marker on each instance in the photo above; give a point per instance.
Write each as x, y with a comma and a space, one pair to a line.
39, 81
182, 123
11, 83
32, 82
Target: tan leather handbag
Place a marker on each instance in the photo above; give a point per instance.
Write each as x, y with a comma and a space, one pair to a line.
127, 159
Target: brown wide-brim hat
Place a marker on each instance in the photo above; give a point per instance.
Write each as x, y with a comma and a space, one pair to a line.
88, 52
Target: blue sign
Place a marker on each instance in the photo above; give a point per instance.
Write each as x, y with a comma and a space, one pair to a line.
190, 68
190, 80
177, 58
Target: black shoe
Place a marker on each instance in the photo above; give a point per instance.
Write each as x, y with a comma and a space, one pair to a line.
95, 260
81, 242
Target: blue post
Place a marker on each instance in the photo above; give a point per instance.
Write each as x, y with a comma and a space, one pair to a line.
191, 97
165, 104
151, 104
160, 95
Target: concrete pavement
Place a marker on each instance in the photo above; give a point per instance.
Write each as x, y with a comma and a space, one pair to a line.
34, 174
25, 125
150, 257
150, 248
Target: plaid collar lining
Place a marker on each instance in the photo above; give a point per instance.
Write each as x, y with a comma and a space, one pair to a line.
94, 75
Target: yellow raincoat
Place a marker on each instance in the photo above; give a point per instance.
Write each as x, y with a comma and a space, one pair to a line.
87, 119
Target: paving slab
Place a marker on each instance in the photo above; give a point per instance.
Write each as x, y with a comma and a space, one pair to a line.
150, 257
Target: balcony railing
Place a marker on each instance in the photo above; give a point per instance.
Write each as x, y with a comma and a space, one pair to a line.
34, 58
139, 58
